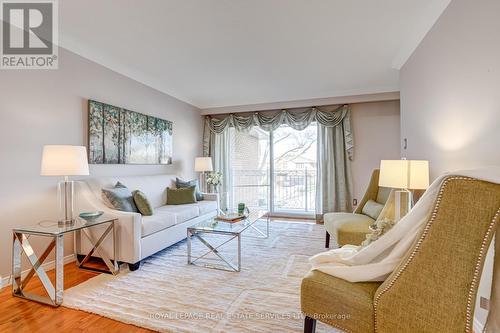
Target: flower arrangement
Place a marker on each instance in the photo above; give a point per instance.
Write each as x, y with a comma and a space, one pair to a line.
379, 228
214, 179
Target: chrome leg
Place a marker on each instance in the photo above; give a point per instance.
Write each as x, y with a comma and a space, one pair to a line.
20, 245
214, 250
41, 260
115, 260
267, 226
261, 233
112, 268
189, 245
58, 297
16, 265
239, 252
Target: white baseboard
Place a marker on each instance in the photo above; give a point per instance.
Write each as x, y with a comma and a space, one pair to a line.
6, 281
477, 326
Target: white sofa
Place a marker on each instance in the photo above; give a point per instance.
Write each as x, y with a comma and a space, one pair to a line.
140, 236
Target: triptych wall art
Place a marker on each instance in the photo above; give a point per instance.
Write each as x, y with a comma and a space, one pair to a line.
120, 136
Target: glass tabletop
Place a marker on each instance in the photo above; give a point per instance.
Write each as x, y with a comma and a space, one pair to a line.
215, 225
52, 228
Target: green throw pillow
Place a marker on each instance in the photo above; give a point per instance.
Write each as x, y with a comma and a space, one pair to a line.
120, 198
372, 209
181, 196
179, 183
142, 203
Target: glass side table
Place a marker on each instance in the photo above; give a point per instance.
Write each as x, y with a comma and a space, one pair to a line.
52, 230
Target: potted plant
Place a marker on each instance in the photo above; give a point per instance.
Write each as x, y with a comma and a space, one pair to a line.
215, 180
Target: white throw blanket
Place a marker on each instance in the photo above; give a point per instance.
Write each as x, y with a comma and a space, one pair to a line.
377, 260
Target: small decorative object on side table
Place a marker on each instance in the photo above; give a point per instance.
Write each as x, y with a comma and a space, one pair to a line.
56, 231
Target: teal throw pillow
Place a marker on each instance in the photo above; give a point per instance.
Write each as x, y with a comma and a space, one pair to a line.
120, 197
179, 183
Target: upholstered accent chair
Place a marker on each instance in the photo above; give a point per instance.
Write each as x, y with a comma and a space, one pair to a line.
351, 228
434, 287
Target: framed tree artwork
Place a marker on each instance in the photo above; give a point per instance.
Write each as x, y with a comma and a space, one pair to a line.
120, 136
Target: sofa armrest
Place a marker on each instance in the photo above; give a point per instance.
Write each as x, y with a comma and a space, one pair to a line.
128, 235
211, 196
128, 230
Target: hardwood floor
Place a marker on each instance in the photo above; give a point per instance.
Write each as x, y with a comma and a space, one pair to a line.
19, 315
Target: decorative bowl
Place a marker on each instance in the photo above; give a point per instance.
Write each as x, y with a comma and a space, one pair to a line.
89, 216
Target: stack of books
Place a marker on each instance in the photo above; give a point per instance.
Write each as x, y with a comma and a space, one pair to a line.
231, 217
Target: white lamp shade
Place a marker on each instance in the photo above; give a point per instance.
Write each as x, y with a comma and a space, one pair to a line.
202, 164
59, 160
406, 174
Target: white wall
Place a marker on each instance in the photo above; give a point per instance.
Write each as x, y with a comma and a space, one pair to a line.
40, 107
450, 94
376, 136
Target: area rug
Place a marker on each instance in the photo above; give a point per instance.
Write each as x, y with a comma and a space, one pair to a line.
168, 295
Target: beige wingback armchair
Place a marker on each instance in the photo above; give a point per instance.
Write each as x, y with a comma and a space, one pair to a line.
434, 287
351, 228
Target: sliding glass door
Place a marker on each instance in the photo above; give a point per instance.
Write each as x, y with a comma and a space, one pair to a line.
294, 171
249, 167
274, 171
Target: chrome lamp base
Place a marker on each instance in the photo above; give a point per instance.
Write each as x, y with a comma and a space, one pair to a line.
65, 191
403, 203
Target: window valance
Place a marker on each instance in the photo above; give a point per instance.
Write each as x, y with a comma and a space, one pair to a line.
297, 120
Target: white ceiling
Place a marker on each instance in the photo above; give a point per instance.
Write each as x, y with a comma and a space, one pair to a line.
214, 53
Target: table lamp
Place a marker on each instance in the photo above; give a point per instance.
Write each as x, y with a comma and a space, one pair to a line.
404, 175
202, 165
63, 160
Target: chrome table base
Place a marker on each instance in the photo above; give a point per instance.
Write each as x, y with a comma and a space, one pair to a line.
54, 293
226, 264
113, 267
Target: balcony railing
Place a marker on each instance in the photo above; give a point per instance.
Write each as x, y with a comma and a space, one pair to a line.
294, 190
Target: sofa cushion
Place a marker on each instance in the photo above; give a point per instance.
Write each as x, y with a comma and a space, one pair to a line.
156, 222
180, 213
348, 228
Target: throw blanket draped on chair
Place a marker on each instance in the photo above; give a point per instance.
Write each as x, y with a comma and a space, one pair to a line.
376, 261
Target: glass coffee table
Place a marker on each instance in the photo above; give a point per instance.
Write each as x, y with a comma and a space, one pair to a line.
232, 230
